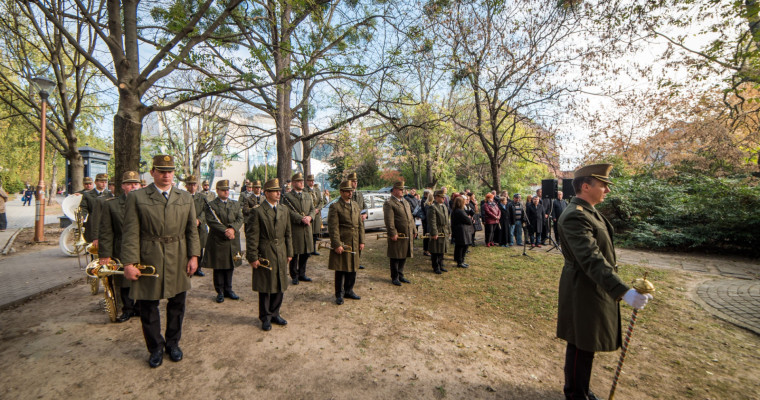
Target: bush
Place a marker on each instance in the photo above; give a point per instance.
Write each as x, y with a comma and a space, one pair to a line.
686, 212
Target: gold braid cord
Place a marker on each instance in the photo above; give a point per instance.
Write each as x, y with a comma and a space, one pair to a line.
110, 300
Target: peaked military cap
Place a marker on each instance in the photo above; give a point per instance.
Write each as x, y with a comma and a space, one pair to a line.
86, 180
399, 185
297, 177
256, 184
223, 184
346, 186
130, 177
352, 177
272, 185
438, 193
191, 179
205, 182
101, 177
163, 162
310, 177
598, 171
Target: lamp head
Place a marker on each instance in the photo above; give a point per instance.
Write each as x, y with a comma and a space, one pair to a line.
46, 85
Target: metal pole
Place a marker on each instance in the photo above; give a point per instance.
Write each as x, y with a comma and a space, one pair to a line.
39, 220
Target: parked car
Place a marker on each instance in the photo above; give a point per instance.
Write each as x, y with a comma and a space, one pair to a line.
374, 202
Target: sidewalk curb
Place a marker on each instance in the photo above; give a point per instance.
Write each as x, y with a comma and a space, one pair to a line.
23, 300
9, 245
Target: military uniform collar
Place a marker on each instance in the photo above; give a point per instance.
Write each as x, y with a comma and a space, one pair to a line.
583, 203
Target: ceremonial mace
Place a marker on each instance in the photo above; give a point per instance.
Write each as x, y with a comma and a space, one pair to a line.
643, 286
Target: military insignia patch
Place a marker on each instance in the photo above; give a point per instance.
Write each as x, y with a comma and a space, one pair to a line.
167, 158
579, 208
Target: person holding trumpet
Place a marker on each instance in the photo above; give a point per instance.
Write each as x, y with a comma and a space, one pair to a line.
346, 228
399, 222
268, 237
224, 218
439, 231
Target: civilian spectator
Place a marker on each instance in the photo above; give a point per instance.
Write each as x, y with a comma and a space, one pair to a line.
462, 230
491, 217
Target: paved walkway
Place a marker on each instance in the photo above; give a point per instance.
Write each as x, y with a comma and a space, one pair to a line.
20, 216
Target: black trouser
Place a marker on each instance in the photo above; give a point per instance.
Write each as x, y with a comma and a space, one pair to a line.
426, 241
315, 237
151, 322
200, 259
3, 222
298, 266
545, 232
344, 282
504, 234
492, 231
223, 280
397, 268
127, 304
578, 365
555, 227
269, 305
437, 261
459, 252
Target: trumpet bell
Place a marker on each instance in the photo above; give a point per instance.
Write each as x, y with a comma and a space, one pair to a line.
92, 249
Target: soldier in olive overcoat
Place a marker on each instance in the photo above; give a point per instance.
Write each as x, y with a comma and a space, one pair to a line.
254, 199
224, 218
268, 236
589, 288
109, 242
439, 229
160, 230
357, 197
346, 229
191, 183
399, 221
301, 207
318, 200
91, 205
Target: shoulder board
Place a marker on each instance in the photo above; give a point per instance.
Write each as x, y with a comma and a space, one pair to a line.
111, 198
579, 208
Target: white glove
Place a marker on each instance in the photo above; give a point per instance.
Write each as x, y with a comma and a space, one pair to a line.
636, 299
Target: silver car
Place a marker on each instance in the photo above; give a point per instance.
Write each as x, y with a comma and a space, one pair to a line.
374, 202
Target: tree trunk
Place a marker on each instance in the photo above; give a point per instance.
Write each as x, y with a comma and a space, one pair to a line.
495, 176
53, 181
127, 128
306, 152
430, 182
77, 171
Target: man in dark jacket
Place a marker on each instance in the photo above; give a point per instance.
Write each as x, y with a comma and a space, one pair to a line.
588, 316
535, 221
559, 206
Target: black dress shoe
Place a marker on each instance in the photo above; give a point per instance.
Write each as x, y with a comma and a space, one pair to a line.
353, 296
232, 295
361, 267
175, 354
315, 254
444, 269
466, 265
124, 317
304, 279
592, 396
266, 325
156, 358
437, 271
199, 273
220, 298
338, 300
462, 265
402, 279
294, 281
279, 320
396, 282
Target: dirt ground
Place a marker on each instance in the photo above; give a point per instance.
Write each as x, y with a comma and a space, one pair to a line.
451, 336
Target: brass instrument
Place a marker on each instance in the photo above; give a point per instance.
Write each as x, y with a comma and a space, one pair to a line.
115, 267
326, 245
263, 262
384, 235
238, 257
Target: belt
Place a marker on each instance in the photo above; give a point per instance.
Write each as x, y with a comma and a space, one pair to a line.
162, 239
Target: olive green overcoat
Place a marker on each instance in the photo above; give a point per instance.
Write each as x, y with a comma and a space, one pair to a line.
110, 231
91, 204
269, 236
438, 225
219, 249
251, 201
300, 206
589, 287
161, 233
200, 212
398, 219
358, 198
319, 202
346, 227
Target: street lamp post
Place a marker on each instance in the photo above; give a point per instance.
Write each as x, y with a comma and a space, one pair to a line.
45, 85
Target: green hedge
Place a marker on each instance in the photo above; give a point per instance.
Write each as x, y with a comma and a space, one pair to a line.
687, 212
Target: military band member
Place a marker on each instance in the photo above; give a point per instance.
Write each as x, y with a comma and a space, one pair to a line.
110, 236
160, 229
268, 236
143, 184
439, 230
399, 220
247, 191
91, 205
224, 218
301, 217
88, 184
206, 191
254, 199
357, 197
191, 183
346, 228
319, 202
589, 288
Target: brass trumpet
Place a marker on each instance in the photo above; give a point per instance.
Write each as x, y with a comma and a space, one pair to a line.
115, 267
326, 245
92, 249
384, 235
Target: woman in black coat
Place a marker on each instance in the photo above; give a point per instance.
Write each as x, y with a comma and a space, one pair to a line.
505, 238
462, 231
535, 221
